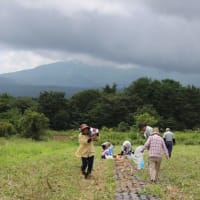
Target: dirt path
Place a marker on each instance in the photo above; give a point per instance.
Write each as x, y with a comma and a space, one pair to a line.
128, 184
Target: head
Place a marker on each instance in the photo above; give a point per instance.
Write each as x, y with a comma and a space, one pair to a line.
142, 126
167, 129
106, 145
155, 131
85, 129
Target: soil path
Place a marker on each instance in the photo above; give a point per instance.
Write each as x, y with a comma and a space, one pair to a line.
128, 184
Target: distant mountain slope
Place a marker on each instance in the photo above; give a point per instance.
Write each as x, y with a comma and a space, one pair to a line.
6, 82
73, 74
17, 90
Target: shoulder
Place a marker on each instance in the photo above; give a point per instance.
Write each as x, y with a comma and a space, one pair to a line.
149, 128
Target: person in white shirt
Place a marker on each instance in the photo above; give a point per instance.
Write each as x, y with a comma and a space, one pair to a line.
147, 130
169, 139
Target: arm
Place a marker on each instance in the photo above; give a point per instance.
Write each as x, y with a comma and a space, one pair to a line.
146, 145
83, 139
165, 150
174, 141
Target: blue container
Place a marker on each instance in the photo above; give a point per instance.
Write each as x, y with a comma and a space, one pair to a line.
110, 151
142, 164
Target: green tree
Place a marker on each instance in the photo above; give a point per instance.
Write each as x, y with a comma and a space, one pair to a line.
52, 103
110, 111
5, 102
110, 90
6, 129
24, 103
62, 120
80, 105
33, 124
190, 112
140, 88
145, 118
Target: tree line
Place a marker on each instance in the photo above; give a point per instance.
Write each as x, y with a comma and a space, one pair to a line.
163, 103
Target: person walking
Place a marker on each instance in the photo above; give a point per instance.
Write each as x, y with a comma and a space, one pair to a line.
155, 144
169, 139
86, 150
145, 129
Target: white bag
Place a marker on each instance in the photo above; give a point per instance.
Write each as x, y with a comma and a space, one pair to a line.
138, 157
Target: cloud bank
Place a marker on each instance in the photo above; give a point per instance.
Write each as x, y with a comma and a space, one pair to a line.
147, 33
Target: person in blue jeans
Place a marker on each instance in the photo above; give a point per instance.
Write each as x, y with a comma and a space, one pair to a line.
169, 139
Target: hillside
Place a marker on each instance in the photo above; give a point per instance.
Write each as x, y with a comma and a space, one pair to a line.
72, 74
71, 77
18, 90
68, 77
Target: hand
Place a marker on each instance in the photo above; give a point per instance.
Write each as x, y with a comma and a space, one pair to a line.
94, 137
89, 140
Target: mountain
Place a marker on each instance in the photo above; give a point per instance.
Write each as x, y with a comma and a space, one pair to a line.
17, 90
68, 77
72, 77
73, 74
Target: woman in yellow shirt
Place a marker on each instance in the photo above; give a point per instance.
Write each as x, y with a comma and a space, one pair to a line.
86, 150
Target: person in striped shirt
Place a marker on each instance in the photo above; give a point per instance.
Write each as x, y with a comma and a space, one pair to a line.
156, 145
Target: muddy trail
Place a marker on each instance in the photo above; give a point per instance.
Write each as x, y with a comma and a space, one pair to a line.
128, 184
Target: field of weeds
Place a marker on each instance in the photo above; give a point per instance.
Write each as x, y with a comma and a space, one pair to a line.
48, 170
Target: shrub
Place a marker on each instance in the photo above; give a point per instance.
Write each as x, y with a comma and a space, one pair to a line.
123, 127
6, 129
33, 124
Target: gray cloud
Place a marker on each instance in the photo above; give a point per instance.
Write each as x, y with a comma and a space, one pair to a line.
184, 8
150, 33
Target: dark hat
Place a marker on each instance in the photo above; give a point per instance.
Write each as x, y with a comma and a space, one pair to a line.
141, 126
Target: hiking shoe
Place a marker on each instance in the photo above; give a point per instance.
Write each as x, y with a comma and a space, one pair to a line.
84, 173
87, 175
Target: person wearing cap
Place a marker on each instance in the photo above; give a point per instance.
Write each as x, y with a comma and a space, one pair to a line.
86, 150
169, 139
155, 144
145, 129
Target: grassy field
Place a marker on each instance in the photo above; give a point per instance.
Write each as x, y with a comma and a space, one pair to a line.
179, 177
50, 171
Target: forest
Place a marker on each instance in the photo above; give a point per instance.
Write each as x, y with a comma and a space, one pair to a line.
162, 103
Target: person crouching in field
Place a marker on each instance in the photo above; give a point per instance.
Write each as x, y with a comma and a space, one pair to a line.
126, 148
155, 144
105, 149
86, 149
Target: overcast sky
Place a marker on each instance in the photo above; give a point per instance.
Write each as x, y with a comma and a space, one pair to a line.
143, 33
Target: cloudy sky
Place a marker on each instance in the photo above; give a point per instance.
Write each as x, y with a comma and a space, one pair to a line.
151, 34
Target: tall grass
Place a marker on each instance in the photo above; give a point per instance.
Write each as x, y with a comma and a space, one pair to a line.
179, 177
49, 170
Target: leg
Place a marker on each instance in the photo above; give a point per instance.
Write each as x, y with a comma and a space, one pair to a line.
152, 168
170, 148
84, 164
90, 164
158, 162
